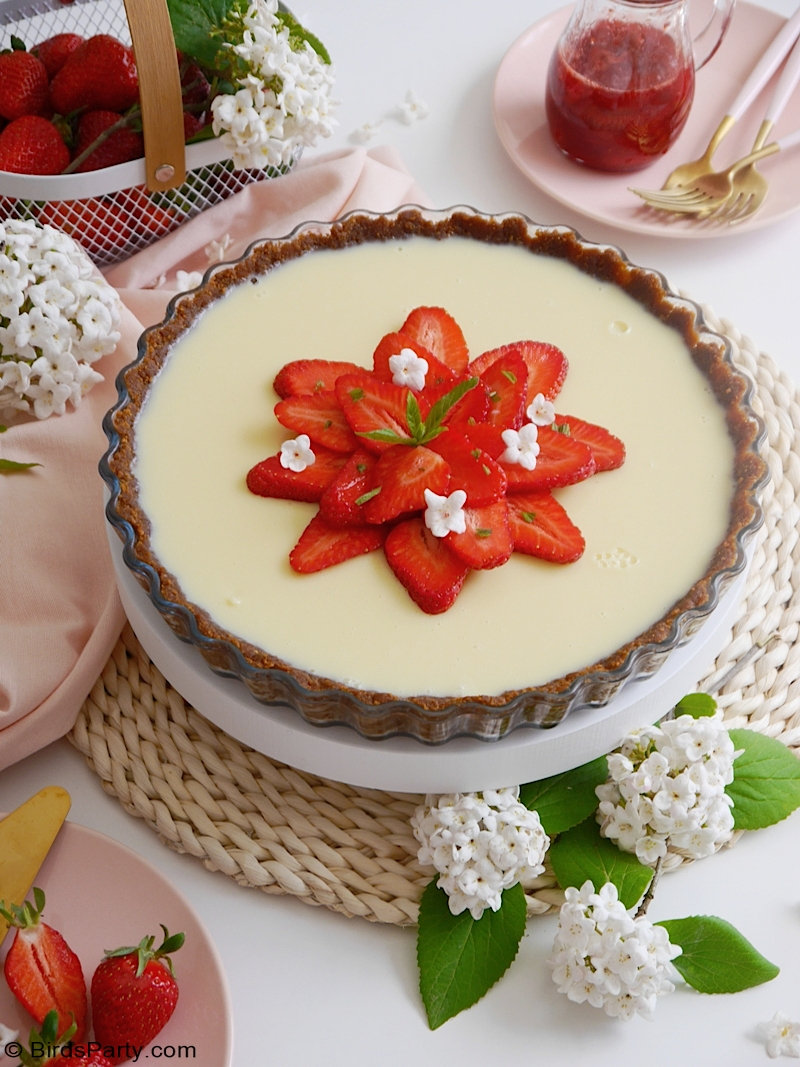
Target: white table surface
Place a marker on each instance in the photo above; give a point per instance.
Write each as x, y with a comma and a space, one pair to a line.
310, 987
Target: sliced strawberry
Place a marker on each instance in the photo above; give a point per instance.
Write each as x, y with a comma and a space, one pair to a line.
487, 540
431, 574
473, 407
310, 376
399, 479
371, 406
342, 502
541, 527
608, 450
392, 344
471, 469
320, 416
438, 332
547, 365
562, 460
42, 971
506, 380
270, 478
322, 545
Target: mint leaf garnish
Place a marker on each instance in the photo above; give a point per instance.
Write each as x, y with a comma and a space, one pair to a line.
432, 426
697, 705
581, 854
716, 958
766, 781
414, 417
564, 800
461, 958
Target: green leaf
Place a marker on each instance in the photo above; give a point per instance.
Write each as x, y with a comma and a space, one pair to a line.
581, 854
385, 434
564, 800
766, 781
414, 417
11, 466
716, 958
195, 24
698, 705
461, 958
432, 426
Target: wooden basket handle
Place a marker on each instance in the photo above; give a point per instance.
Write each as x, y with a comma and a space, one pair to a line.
159, 93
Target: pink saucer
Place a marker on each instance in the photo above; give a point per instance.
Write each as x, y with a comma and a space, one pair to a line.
522, 127
102, 895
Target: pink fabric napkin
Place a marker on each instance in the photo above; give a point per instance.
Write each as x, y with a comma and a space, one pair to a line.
60, 615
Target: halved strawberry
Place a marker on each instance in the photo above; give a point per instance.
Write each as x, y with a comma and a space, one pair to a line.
607, 449
487, 541
41, 969
437, 331
471, 469
341, 504
371, 406
320, 416
547, 365
322, 545
562, 460
270, 478
541, 527
310, 376
430, 573
399, 479
506, 379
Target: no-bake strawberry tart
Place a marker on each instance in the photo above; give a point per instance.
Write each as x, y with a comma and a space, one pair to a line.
434, 473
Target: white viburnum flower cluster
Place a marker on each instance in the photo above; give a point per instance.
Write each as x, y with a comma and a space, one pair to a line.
57, 317
666, 789
481, 844
283, 99
604, 955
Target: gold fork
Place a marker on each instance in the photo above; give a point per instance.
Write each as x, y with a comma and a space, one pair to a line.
740, 189
769, 62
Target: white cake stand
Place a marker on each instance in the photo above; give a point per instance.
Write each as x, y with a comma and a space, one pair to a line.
401, 764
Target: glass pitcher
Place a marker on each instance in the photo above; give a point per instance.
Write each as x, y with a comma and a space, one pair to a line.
621, 79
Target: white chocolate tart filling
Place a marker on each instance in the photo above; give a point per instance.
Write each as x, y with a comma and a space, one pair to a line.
651, 527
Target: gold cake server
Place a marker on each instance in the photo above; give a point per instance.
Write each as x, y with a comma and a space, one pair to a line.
26, 836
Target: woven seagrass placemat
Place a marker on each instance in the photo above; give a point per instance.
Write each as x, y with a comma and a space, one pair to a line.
280, 830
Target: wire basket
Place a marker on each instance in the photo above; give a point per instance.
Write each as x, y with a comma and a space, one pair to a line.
120, 210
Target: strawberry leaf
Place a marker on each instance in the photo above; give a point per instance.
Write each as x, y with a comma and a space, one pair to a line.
564, 800
716, 958
766, 781
461, 958
581, 854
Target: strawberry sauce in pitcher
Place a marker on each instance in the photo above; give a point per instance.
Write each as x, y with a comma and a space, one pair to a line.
621, 81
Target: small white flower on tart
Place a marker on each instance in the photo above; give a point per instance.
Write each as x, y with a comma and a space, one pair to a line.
541, 411
408, 369
522, 446
297, 454
445, 514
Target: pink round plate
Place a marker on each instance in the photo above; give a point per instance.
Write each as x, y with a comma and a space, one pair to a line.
101, 895
521, 124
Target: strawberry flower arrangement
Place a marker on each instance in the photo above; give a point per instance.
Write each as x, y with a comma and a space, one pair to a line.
58, 317
446, 462
606, 951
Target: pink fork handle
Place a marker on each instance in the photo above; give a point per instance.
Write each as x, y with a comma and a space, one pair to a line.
790, 75
769, 62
